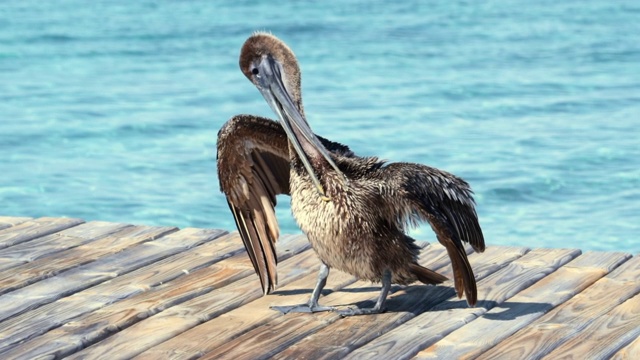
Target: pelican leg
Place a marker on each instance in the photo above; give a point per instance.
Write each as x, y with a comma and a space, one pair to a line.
379, 306
311, 306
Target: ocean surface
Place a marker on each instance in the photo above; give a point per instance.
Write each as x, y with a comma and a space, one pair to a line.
109, 110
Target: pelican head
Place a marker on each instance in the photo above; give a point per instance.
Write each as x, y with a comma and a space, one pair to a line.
272, 67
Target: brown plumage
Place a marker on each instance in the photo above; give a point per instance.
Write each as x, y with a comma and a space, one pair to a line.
354, 210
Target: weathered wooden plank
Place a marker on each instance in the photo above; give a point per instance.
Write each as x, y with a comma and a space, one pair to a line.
427, 328
505, 318
605, 336
258, 343
345, 335
17, 232
601, 320
160, 261
9, 221
82, 277
43, 268
93, 326
629, 352
569, 319
230, 324
48, 245
177, 319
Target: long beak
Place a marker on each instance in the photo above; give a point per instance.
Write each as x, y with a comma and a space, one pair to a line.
272, 87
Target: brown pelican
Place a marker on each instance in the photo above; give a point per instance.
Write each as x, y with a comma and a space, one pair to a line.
354, 210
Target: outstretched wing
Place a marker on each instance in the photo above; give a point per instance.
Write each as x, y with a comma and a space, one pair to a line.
253, 167
446, 202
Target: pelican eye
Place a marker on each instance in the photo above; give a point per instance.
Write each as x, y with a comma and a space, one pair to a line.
255, 71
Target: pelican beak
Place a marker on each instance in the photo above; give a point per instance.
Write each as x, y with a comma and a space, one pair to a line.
270, 82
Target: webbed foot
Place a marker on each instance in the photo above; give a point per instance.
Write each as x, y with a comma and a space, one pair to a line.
353, 311
302, 308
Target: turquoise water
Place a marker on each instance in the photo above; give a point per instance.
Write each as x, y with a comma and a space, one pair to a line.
109, 110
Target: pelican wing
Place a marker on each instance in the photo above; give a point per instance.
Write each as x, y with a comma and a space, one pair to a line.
253, 167
446, 202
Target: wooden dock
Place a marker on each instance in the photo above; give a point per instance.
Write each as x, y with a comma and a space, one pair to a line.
89, 290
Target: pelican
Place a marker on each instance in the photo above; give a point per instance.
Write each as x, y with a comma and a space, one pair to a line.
354, 210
